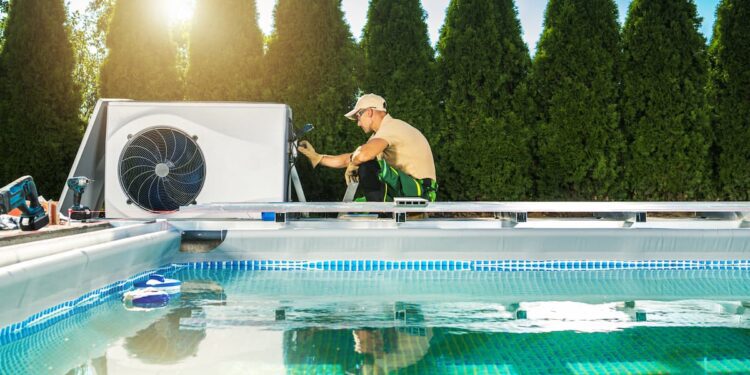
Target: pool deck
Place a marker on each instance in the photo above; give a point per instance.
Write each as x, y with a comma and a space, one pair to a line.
16, 236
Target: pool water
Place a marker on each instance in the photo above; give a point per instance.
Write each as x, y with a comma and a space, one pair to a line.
432, 322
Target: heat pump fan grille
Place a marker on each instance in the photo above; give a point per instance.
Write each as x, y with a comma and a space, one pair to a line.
162, 169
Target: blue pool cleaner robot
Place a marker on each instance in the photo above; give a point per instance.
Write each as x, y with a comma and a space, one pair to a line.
15, 195
154, 292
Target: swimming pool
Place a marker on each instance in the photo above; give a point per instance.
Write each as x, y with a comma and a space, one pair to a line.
612, 292
265, 317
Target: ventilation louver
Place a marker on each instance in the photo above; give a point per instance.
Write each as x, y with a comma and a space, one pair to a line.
162, 169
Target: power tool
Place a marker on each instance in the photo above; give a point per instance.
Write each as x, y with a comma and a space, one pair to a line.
15, 195
78, 185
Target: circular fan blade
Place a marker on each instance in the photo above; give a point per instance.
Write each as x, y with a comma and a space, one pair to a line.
162, 169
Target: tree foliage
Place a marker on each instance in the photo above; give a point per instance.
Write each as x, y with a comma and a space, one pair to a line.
310, 65
226, 47
40, 101
482, 65
729, 95
575, 84
4, 8
89, 46
142, 59
663, 101
399, 62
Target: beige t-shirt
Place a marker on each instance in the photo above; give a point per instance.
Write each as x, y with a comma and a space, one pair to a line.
408, 149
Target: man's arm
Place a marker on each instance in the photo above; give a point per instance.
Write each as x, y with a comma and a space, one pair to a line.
369, 151
336, 161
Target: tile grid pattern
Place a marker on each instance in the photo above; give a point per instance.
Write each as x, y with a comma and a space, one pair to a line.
50, 316
477, 265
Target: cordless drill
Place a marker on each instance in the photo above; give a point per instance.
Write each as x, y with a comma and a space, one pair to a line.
15, 195
78, 185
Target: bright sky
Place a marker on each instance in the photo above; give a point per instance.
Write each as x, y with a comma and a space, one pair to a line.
531, 13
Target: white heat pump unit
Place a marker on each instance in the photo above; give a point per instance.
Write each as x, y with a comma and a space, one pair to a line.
162, 156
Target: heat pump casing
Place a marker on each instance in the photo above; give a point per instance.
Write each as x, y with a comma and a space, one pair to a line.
245, 147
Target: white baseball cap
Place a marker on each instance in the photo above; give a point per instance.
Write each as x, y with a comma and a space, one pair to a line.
367, 101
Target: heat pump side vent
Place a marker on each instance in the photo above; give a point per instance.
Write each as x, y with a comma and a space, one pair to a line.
162, 169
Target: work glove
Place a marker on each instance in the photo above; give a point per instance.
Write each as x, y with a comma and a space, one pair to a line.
307, 149
351, 174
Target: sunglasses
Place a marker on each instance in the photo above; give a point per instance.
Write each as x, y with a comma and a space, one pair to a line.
361, 112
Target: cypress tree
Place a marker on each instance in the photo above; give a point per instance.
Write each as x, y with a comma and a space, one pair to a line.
310, 65
665, 72
5, 142
226, 46
729, 95
39, 114
4, 8
575, 86
142, 60
482, 64
399, 61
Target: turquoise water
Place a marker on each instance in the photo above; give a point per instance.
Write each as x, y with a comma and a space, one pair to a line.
432, 322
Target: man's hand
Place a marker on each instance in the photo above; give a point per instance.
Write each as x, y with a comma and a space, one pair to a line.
307, 149
351, 174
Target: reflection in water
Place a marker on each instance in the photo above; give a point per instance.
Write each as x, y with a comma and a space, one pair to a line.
167, 340
637, 350
164, 341
390, 349
363, 350
348, 323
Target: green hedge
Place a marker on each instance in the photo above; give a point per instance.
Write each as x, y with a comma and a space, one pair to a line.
142, 59
310, 65
226, 48
575, 84
729, 95
649, 113
484, 142
399, 62
665, 72
39, 126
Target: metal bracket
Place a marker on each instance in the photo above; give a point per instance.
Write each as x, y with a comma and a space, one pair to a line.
297, 185
411, 202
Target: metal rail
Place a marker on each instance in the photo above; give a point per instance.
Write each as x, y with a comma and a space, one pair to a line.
457, 207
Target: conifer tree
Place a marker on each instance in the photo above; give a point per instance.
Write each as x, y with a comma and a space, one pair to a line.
484, 140
310, 65
579, 142
399, 62
665, 72
729, 95
4, 8
226, 47
39, 110
142, 59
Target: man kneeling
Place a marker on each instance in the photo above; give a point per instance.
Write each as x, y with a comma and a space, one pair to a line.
395, 162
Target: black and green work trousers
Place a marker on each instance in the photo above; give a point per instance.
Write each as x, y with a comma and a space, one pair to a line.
381, 182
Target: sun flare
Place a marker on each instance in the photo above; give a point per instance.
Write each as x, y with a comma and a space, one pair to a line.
179, 10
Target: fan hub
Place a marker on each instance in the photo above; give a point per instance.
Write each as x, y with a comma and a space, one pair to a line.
162, 169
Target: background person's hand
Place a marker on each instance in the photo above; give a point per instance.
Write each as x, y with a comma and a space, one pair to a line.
307, 149
351, 174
